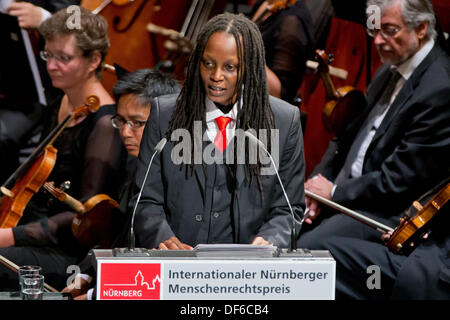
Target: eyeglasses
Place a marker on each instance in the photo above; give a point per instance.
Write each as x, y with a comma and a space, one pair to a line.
118, 122
386, 32
63, 58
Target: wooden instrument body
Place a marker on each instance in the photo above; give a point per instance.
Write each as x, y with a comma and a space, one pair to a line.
131, 45
94, 226
13, 205
337, 113
31, 175
347, 41
407, 232
343, 104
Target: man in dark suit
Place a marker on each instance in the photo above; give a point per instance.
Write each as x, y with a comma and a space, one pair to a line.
194, 201
400, 146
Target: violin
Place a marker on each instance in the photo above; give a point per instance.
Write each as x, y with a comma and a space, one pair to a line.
344, 103
273, 8
30, 176
402, 239
92, 224
404, 236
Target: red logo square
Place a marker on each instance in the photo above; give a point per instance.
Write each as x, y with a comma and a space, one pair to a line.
130, 281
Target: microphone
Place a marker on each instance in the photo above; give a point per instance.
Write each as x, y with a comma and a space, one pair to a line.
131, 250
293, 246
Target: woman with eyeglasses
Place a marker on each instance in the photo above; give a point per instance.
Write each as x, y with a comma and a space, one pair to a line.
89, 149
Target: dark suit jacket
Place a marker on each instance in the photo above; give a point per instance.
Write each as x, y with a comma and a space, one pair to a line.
410, 152
172, 204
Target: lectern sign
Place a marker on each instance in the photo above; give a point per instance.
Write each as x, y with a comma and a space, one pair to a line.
215, 279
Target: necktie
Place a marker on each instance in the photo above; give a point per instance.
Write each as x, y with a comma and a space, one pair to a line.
221, 138
377, 110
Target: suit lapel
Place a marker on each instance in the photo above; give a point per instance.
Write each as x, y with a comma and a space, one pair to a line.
403, 96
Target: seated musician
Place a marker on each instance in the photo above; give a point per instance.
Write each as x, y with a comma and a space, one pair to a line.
288, 41
400, 145
88, 150
208, 196
20, 116
370, 270
133, 93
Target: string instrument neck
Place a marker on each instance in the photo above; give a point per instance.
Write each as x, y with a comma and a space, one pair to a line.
91, 105
64, 197
330, 89
324, 60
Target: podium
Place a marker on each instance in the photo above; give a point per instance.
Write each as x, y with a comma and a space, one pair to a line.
185, 275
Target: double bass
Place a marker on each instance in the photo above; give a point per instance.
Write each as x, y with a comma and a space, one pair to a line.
21, 186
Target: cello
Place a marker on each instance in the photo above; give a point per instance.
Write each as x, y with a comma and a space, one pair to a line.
21, 186
92, 224
132, 46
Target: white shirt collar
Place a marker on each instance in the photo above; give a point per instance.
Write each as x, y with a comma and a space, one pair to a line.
212, 112
407, 68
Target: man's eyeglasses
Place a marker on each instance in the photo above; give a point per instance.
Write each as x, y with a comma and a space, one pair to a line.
62, 58
118, 122
386, 32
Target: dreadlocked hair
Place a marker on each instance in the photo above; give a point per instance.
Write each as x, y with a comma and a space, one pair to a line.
251, 89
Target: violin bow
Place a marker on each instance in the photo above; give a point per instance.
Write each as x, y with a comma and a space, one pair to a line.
352, 214
14, 267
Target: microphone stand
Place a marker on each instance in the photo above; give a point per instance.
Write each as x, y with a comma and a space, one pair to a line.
293, 244
132, 251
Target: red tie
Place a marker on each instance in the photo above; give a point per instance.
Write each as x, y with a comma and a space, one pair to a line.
221, 138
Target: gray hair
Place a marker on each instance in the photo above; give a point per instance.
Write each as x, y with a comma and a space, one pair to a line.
414, 12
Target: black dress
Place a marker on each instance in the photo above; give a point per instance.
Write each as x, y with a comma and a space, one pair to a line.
289, 42
89, 156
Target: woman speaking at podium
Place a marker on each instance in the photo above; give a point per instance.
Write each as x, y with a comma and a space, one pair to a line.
225, 201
